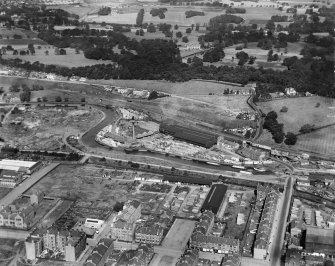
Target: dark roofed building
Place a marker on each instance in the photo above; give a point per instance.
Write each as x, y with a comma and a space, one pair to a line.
100, 253
189, 258
190, 135
214, 198
188, 180
320, 240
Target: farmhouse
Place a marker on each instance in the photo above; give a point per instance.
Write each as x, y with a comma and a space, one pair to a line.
290, 91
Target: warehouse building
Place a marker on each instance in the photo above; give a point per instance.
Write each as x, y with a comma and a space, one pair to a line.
214, 198
191, 135
320, 240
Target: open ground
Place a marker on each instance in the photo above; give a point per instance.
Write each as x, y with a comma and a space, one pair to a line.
44, 127
301, 111
71, 59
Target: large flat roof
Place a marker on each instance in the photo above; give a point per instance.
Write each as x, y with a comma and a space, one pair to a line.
16, 163
214, 198
179, 234
320, 236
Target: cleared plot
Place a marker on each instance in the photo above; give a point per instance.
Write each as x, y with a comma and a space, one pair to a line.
179, 234
44, 127
90, 186
71, 59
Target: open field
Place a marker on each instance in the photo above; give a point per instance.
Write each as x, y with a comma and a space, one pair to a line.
303, 111
293, 49
90, 186
179, 234
192, 87
44, 127
71, 59
74, 9
259, 13
27, 37
183, 108
176, 15
127, 18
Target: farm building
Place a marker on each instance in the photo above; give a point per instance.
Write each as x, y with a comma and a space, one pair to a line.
214, 198
190, 135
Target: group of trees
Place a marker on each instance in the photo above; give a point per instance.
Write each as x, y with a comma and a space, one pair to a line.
219, 21
158, 12
235, 10
193, 13
215, 54
243, 57
278, 18
104, 11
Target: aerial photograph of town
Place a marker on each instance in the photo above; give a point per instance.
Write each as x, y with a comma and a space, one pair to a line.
167, 132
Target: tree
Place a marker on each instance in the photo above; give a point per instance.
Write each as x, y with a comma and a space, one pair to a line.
176, 27
153, 95
188, 30
58, 99
83, 99
118, 206
62, 51
151, 28
284, 109
290, 139
77, 50
14, 88
307, 128
57, 51
270, 25
46, 52
185, 39
44, 99
179, 34
25, 96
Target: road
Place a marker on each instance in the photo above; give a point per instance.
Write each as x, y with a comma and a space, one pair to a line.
26, 184
277, 244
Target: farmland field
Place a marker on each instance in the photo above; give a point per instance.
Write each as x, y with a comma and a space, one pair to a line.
303, 111
127, 18
71, 59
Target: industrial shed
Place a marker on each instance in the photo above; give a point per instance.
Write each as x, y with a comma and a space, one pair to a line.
214, 198
188, 180
190, 135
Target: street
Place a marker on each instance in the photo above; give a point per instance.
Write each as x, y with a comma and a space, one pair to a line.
26, 184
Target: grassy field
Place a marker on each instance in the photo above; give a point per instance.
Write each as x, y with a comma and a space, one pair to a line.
127, 18
259, 14
303, 111
71, 59
293, 49
176, 15
192, 87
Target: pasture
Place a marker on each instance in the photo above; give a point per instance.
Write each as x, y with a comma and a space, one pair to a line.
71, 59
126, 18
293, 49
176, 15
303, 111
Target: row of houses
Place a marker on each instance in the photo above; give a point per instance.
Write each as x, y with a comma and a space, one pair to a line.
206, 243
128, 227
67, 245
261, 222
21, 217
